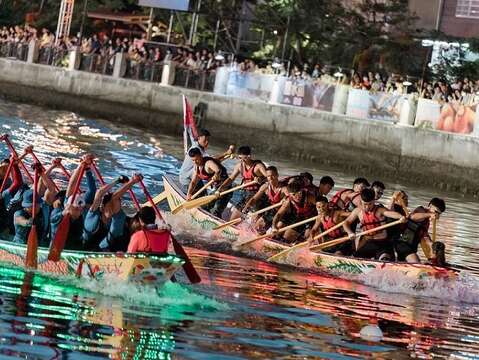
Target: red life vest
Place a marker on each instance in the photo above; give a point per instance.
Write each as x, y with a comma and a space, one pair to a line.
303, 208
337, 197
328, 224
370, 220
351, 205
273, 197
203, 175
248, 175
157, 240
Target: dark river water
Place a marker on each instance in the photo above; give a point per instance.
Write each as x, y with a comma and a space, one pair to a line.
245, 308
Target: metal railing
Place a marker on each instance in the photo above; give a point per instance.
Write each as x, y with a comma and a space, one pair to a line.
202, 80
15, 50
145, 71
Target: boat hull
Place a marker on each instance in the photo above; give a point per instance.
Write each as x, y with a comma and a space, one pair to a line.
143, 269
336, 264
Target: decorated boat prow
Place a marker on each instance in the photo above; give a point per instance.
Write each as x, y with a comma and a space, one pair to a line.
139, 268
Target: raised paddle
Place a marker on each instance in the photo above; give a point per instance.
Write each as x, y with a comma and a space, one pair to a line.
190, 270
61, 235
31, 260
283, 229
238, 220
10, 146
29, 150
58, 162
209, 198
346, 238
305, 243
177, 209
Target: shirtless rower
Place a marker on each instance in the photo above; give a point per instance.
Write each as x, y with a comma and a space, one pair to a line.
370, 216
417, 231
299, 205
329, 217
269, 193
207, 168
349, 199
250, 170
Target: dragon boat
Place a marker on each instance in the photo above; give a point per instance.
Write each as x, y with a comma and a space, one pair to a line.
320, 261
142, 269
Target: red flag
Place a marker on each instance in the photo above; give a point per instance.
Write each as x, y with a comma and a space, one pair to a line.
188, 123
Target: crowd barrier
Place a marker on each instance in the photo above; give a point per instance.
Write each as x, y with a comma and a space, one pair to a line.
454, 116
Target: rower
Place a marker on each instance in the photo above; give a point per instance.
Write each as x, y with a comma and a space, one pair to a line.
207, 168
326, 184
8, 193
399, 203
308, 185
349, 199
370, 216
299, 205
329, 217
269, 193
250, 170
201, 143
378, 188
150, 237
23, 219
417, 232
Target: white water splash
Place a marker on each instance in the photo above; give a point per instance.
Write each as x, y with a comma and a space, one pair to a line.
465, 288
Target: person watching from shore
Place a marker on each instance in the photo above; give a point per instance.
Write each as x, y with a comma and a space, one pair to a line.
250, 170
370, 215
207, 168
151, 237
201, 143
417, 232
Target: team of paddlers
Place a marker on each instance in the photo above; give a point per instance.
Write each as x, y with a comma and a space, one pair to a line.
295, 199
96, 219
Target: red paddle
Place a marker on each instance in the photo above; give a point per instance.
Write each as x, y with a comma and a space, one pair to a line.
29, 150
5, 138
58, 162
61, 235
31, 260
190, 270
7, 174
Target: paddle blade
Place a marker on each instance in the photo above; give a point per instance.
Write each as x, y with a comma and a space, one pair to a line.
158, 198
177, 209
60, 239
190, 270
192, 204
32, 248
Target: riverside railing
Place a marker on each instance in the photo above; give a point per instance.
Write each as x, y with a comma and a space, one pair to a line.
12, 49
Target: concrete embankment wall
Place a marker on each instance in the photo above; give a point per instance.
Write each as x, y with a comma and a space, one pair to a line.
369, 148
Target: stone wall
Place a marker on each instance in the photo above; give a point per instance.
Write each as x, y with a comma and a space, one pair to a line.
369, 148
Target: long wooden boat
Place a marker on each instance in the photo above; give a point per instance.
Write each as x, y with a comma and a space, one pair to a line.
322, 261
142, 269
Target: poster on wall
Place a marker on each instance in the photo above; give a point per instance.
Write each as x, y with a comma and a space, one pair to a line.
317, 95
247, 85
452, 117
376, 106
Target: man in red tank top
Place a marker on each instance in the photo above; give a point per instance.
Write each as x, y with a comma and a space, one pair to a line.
328, 218
370, 216
250, 170
348, 199
150, 238
269, 193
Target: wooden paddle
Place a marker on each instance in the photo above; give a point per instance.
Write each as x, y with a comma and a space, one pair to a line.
209, 198
61, 235
5, 138
346, 238
236, 221
434, 230
190, 270
177, 209
305, 243
31, 260
283, 229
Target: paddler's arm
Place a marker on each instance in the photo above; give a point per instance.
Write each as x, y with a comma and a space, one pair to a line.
51, 191
255, 198
315, 229
127, 185
260, 171
232, 177
73, 180
99, 196
392, 214
418, 217
279, 215
192, 186
17, 178
350, 220
226, 154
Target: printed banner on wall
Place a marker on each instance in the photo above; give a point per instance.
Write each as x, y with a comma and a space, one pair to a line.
452, 117
248, 85
317, 95
377, 106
